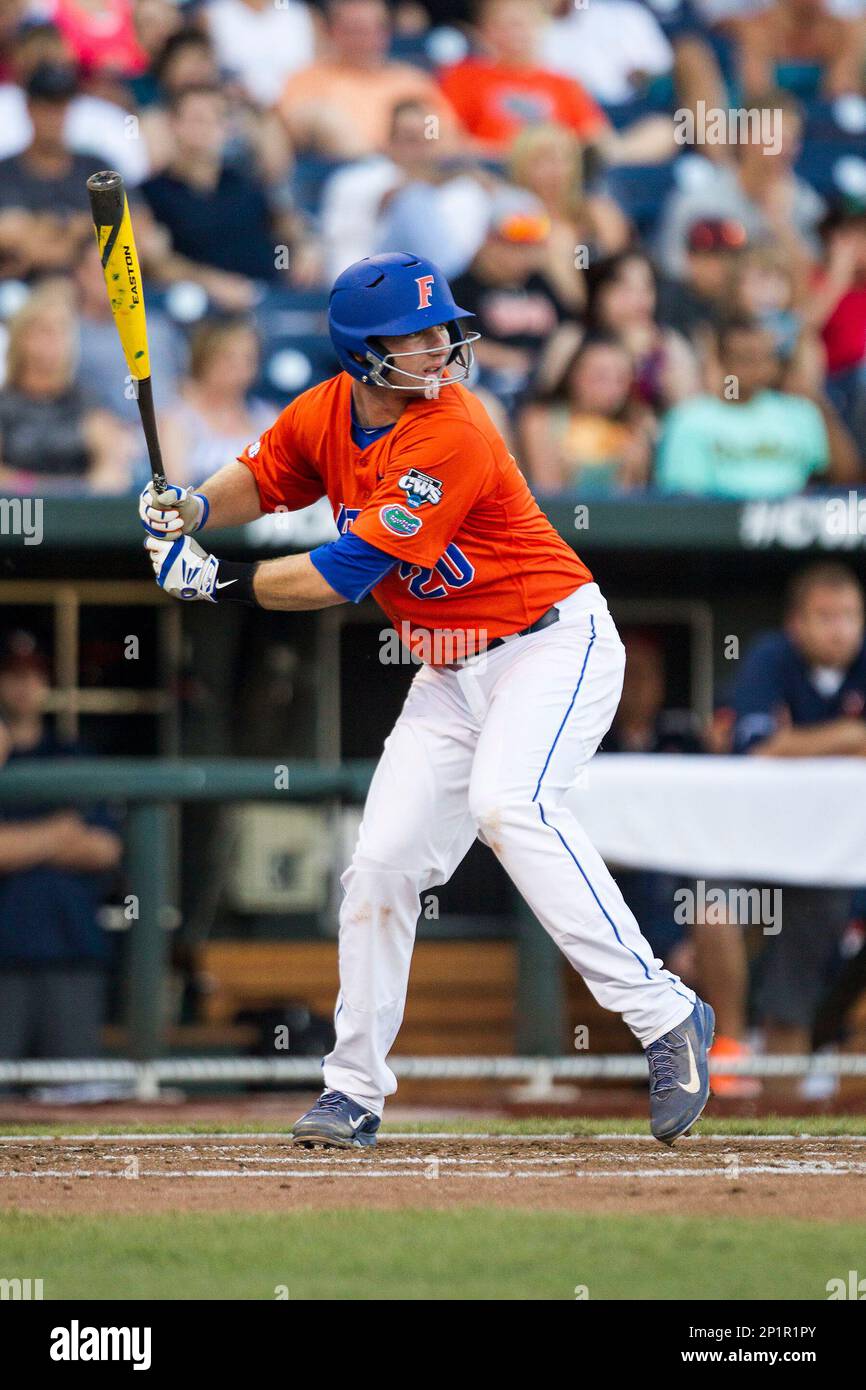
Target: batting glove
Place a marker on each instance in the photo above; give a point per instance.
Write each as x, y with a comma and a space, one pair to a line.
175, 512
183, 569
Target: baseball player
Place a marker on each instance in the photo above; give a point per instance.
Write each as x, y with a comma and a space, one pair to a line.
521, 676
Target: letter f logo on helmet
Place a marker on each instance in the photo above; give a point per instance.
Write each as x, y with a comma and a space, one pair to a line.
425, 290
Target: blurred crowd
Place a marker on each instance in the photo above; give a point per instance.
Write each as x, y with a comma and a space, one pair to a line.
655, 208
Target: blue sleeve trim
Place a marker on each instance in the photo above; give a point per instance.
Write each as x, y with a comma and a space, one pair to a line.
352, 566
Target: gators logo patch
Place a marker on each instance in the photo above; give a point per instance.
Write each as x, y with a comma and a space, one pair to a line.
399, 521
420, 488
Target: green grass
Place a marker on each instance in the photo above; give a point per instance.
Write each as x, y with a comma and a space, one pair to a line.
812, 1125
473, 1253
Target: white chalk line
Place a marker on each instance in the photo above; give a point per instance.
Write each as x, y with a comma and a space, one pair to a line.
359, 1159
360, 1163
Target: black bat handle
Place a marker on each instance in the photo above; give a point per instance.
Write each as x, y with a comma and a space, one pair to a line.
148, 422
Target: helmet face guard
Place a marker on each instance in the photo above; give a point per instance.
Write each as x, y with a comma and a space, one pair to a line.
395, 295
384, 365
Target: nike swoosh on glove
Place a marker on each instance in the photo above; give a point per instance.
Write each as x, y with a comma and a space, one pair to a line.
176, 511
183, 569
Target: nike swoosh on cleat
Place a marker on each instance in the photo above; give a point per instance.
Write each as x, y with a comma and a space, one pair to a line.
357, 1123
694, 1081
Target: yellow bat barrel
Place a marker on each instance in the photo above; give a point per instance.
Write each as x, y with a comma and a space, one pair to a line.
120, 267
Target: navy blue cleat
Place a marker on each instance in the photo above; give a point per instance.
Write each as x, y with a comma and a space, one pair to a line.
680, 1074
336, 1122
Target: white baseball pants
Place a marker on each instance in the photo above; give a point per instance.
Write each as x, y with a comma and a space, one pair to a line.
490, 750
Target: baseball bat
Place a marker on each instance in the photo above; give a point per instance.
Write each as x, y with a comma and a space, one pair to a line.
116, 241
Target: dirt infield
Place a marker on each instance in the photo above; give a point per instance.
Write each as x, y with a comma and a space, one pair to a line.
816, 1179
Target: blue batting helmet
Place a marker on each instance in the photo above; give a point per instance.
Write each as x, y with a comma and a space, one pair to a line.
386, 296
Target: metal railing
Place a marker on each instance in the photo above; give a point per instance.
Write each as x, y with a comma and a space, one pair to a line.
144, 1080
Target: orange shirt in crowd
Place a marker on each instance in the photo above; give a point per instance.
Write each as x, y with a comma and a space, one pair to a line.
358, 103
495, 102
441, 493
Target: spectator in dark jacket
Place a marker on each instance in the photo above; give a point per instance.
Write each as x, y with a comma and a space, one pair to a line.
53, 867
802, 691
217, 217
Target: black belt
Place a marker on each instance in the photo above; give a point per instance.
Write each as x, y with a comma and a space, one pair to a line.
546, 620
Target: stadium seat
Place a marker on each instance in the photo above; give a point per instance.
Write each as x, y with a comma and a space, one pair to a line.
435, 48
292, 364
446, 44
640, 190
289, 312
659, 98
309, 177
839, 121
411, 48
185, 302
290, 300
672, 14
836, 169
680, 19
803, 79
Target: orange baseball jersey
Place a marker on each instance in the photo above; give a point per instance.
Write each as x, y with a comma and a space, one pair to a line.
440, 492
